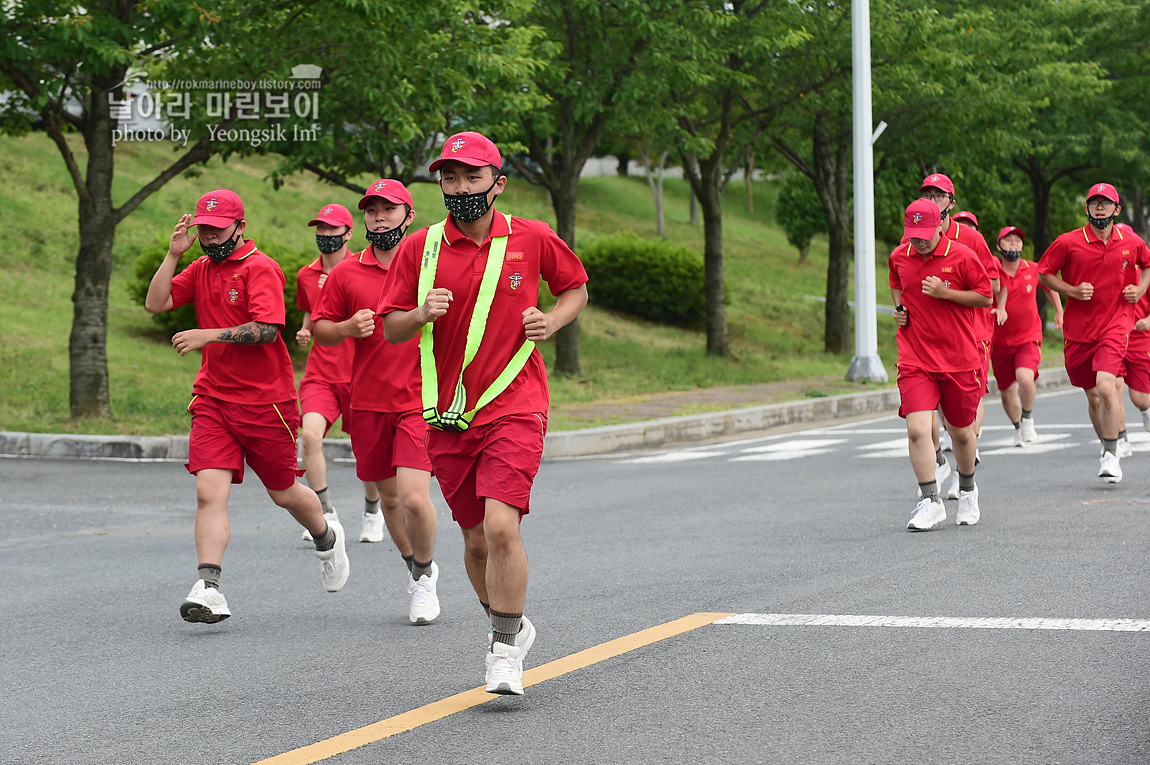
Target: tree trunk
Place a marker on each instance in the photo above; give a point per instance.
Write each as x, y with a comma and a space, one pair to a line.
1041, 236
749, 181
717, 340
564, 198
623, 168
693, 219
1136, 210
837, 333
87, 344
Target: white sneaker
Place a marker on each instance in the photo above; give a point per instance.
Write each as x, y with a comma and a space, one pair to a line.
424, 602
332, 516
1109, 468
944, 442
1125, 449
941, 473
334, 567
1019, 438
505, 662
968, 513
927, 514
952, 490
205, 605
372, 530
1146, 419
1028, 433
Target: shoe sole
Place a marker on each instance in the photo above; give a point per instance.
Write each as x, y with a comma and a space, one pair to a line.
363, 538
423, 619
966, 523
195, 613
505, 689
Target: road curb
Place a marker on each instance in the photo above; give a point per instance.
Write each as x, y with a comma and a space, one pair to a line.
650, 434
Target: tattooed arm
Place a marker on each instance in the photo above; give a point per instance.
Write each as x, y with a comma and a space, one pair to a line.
252, 333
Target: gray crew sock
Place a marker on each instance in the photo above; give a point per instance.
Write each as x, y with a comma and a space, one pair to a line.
370, 507
420, 569
938, 459
929, 489
506, 626
1017, 425
966, 482
410, 561
1122, 435
1110, 445
1026, 413
326, 540
210, 573
323, 500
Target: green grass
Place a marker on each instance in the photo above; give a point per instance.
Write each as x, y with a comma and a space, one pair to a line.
775, 333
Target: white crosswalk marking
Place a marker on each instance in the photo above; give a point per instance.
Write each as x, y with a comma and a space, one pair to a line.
938, 622
667, 457
789, 450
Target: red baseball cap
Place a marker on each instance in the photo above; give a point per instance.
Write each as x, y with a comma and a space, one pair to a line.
1103, 190
470, 148
333, 215
922, 219
938, 181
389, 189
220, 208
966, 215
1008, 231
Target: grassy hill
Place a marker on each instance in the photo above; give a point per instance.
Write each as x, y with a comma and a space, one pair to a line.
776, 333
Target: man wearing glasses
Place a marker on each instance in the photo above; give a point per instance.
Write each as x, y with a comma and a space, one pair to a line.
1096, 267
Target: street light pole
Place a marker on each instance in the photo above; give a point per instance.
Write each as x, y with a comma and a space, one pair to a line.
866, 364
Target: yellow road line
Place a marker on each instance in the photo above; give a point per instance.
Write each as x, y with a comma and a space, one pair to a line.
437, 710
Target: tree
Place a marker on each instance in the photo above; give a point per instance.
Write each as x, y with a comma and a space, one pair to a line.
799, 211
592, 51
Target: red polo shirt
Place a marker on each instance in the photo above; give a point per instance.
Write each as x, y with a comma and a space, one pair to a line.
968, 236
1023, 324
1080, 256
533, 251
1140, 339
941, 335
248, 286
331, 363
384, 377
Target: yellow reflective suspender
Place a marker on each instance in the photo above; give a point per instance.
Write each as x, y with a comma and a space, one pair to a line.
455, 418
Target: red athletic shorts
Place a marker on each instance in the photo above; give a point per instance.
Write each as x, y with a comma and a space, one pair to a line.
1138, 369
1008, 359
1085, 360
497, 460
957, 392
225, 434
328, 398
384, 441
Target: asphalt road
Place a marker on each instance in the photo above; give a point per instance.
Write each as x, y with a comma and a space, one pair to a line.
97, 666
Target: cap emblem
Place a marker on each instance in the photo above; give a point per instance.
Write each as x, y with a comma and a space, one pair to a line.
457, 144
327, 210
211, 205
918, 217
379, 185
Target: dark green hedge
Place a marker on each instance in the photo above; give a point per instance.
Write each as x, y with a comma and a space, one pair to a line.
649, 278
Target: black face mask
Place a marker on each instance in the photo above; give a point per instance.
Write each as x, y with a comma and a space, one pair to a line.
1011, 255
469, 208
328, 244
386, 240
222, 251
1100, 223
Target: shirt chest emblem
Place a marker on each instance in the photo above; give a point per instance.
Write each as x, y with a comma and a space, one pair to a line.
947, 270
233, 293
515, 280
1030, 288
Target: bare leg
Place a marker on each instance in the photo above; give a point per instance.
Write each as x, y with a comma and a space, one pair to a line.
394, 516
506, 573
965, 444
1027, 390
311, 433
303, 505
1010, 403
414, 488
922, 449
475, 560
213, 530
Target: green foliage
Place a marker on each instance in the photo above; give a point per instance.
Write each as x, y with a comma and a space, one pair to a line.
651, 279
147, 259
799, 211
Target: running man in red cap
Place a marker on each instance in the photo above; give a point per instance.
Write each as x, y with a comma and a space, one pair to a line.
1016, 349
244, 400
1096, 267
965, 217
469, 288
387, 430
325, 390
938, 286
939, 189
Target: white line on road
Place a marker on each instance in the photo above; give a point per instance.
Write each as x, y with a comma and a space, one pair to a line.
945, 622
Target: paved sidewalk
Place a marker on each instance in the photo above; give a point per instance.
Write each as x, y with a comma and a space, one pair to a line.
648, 434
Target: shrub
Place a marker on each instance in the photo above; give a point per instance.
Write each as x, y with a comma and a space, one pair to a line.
799, 211
648, 278
149, 257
